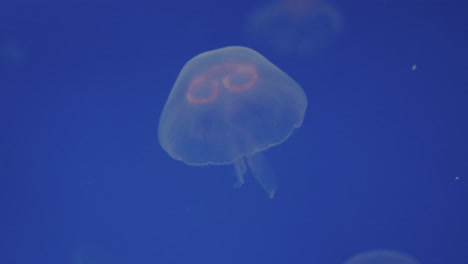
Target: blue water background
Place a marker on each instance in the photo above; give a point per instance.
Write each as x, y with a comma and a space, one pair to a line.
381, 160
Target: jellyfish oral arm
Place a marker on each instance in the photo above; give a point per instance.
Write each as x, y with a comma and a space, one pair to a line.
260, 169
263, 173
241, 170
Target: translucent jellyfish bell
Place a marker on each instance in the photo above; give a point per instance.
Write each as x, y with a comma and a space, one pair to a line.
226, 107
295, 27
382, 257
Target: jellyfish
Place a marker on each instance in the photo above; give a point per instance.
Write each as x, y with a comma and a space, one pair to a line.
227, 106
382, 257
295, 27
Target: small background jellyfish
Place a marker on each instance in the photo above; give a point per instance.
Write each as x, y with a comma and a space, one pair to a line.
295, 27
91, 254
226, 107
382, 257
11, 53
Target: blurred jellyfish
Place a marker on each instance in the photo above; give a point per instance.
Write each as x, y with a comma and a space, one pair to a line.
295, 27
382, 257
227, 106
12, 53
87, 254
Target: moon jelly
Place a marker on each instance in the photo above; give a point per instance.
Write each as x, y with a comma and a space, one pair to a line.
226, 107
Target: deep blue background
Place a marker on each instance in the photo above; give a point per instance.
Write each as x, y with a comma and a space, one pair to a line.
375, 164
